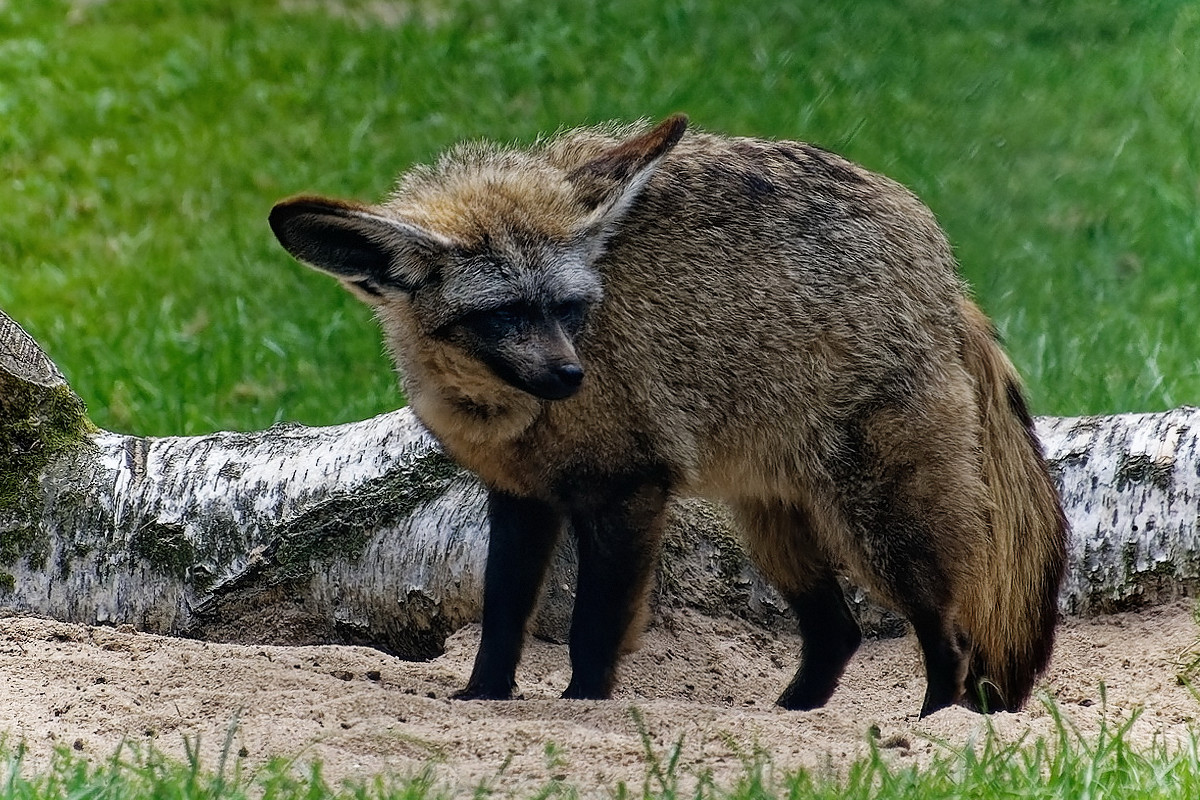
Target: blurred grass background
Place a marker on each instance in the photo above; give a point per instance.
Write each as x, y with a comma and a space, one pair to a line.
142, 143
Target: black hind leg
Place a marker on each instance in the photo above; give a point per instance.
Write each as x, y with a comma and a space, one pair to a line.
831, 636
781, 543
913, 575
915, 507
946, 660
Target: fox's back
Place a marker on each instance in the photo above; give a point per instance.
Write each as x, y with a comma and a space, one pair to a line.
761, 293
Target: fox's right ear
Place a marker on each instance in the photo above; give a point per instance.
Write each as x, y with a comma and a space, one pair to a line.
611, 181
367, 251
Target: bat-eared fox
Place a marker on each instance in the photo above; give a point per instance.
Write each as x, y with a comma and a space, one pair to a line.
615, 316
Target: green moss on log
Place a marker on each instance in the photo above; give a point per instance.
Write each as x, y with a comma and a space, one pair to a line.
23, 540
165, 547
341, 526
37, 423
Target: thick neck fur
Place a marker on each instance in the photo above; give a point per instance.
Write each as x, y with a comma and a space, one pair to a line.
476, 416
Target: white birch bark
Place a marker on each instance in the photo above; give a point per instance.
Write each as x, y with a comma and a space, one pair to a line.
367, 533
1130, 486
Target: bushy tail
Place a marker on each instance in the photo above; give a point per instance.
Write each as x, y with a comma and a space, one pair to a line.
1011, 620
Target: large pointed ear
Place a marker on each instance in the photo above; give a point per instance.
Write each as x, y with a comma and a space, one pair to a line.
367, 251
611, 181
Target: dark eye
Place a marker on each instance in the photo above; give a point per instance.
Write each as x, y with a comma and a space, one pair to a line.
497, 321
506, 315
570, 314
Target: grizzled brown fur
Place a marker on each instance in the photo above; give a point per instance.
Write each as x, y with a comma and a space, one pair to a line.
616, 316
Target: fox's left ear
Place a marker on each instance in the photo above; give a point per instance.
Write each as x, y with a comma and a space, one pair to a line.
368, 251
610, 182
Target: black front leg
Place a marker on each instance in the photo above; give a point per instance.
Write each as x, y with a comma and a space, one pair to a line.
522, 538
618, 550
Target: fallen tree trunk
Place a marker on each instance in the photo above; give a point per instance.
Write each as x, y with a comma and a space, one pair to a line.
366, 533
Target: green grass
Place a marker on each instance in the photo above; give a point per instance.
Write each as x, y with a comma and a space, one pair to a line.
146, 774
1068, 766
142, 143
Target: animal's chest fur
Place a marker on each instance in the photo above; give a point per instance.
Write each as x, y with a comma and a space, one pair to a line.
516, 466
564, 454
510, 452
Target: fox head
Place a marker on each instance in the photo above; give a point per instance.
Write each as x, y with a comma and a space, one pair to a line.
480, 268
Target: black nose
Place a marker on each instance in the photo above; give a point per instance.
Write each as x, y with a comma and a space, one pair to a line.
570, 375
556, 383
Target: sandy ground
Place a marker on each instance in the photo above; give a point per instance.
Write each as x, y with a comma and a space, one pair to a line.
705, 683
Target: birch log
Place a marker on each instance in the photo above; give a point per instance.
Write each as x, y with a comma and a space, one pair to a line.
366, 533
